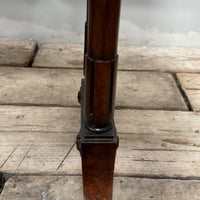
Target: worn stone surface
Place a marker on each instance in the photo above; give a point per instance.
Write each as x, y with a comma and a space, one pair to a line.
141, 90
148, 90
152, 143
70, 188
162, 59
39, 86
59, 55
58, 119
36, 152
17, 52
162, 147
191, 86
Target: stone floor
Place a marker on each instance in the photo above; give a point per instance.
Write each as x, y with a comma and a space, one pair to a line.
157, 118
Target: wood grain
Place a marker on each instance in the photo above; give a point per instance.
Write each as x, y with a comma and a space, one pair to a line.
190, 83
70, 188
150, 156
152, 143
159, 147
39, 119
34, 152
56, 119
162, 59
39, 86
58, 55
148, 90
60, 87
17, 52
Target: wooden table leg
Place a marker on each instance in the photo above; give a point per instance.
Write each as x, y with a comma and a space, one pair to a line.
97, 140
98, 169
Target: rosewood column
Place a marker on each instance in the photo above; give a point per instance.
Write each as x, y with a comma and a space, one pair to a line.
97, 140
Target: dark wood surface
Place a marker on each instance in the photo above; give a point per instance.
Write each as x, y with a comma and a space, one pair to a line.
97, 140
98, 170
103, 26
101, 62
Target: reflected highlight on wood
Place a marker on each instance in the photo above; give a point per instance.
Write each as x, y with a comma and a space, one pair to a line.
97, 140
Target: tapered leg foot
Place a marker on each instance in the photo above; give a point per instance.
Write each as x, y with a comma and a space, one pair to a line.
98, 152
98, 161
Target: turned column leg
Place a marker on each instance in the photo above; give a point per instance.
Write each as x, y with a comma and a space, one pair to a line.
97, 140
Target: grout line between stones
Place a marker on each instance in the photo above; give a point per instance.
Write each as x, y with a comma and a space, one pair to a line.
181, 90
34, 55
9, 156
65, 156
142, 176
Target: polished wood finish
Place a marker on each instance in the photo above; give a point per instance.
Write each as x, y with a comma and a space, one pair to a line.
101, 62
100, 89
98, 170
103, 24
97, 140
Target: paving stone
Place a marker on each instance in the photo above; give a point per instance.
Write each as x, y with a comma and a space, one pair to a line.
17, 52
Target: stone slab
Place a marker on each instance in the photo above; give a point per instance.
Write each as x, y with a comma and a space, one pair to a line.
17, 52
162, 59
142, 90
70, 188
191, 86
152, 143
